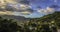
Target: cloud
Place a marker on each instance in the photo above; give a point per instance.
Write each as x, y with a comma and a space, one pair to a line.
21, 13
50, 10
22, 8
14, 13
12, 5
55, 7
23, 1
46, 11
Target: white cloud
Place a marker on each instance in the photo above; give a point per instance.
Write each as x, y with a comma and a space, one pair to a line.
50, 10
17, 7
46, 11
22, 13
14, 13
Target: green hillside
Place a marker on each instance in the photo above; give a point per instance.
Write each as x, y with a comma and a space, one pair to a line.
51, 18
47, 23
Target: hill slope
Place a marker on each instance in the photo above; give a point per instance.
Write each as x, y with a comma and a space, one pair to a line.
54, 16
17, 18
49, 19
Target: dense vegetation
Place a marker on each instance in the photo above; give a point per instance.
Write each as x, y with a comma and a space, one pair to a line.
48, 23
8, 25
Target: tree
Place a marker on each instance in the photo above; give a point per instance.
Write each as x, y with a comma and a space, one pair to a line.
8, 25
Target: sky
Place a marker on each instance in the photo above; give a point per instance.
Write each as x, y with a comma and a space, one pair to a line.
32, 8
43, 4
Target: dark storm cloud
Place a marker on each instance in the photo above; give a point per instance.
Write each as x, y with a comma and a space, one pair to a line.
23, 1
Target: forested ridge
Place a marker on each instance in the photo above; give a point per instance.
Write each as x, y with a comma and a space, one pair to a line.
47, 23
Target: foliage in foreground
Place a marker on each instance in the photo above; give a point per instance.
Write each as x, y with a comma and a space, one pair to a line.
49, 23
8, 25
